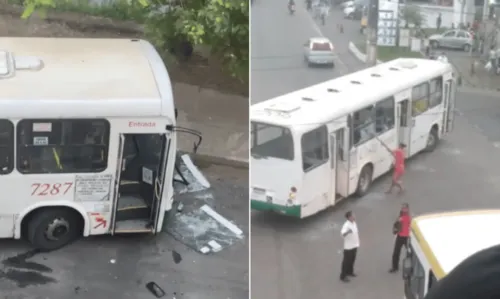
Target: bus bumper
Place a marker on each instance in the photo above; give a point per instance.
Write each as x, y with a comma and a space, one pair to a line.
293, 211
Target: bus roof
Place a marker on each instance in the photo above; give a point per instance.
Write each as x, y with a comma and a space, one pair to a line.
449, 238
74, 72
329, 100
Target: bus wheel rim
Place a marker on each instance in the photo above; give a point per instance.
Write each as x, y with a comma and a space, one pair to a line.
431, 140
56, 229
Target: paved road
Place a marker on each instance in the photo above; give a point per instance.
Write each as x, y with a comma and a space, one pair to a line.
293, 259
277, 37
84, 269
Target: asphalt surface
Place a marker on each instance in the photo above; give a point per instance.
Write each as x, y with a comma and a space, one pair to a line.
120, 267
294, 259
277, 62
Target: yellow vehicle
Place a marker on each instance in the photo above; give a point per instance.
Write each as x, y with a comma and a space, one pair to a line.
440, 242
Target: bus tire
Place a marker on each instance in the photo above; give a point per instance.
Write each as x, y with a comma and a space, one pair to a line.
52, 228
364, 181
432, 140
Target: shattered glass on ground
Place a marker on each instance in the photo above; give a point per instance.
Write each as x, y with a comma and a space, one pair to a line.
194, 222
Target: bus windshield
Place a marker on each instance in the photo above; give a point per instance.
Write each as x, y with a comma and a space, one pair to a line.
270, 141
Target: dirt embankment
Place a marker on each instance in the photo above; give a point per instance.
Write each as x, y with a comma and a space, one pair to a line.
199, 70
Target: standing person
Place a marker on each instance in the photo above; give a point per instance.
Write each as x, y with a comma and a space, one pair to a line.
402, 231
399, 168
438, 22
351, 243
493, 59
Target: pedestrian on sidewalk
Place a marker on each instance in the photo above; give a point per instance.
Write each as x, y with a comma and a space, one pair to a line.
399, 168
350, 234
401, 229
493, 59
438, 21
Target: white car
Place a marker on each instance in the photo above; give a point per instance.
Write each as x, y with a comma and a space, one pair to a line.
349, 10
319, 51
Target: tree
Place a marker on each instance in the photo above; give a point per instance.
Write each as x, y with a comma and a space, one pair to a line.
222, 25
413, 16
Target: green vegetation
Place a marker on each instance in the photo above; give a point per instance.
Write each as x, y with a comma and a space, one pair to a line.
390, 53
117, 10
220, 25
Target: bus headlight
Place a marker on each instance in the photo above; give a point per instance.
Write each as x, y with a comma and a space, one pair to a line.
291, 196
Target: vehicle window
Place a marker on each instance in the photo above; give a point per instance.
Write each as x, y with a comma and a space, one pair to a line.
420, 99
271, 141
384, 115
449, 34
62, 145
417, 280
435, 92
321, 46
462, 34
314, 146
363, 125
6, 146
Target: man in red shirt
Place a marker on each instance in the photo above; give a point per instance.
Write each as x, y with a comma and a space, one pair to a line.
402, 232
399, 168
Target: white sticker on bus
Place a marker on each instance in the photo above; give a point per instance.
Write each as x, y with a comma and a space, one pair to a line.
40, 140
42, 127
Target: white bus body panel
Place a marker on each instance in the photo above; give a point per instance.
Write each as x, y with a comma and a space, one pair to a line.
123, 81
304, 110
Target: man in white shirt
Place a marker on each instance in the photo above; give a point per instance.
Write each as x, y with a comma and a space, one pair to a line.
349, 232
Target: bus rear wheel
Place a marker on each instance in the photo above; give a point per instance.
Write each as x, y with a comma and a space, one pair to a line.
364, 181
432, 140
52, 228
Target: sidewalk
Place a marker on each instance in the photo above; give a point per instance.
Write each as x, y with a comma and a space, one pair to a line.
481, 79
221, 118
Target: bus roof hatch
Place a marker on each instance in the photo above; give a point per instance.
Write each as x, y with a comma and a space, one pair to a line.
407, 64
9, 64
284, 107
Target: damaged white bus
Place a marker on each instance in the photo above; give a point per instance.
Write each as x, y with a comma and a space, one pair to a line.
315, 146
87, 139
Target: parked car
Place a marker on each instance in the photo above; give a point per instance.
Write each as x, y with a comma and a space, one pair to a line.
354, 12
456, 39
319, 51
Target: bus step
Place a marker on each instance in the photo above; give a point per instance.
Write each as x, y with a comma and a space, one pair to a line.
131, 207
338, 197
133, 226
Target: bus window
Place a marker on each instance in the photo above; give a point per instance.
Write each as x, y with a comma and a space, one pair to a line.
435, 92
420, 99
384, 115
432, 280
417, 279
271, 141
6, 146
62, 145
363, 125
314, 146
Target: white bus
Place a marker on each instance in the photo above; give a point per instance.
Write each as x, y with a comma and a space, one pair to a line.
87, 139
313, 147
439, 242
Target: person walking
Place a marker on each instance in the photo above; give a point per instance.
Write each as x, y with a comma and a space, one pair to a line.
399, 168
401, 229
438, 22
349, 232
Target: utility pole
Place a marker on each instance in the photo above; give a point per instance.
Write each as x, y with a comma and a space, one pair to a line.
371, 33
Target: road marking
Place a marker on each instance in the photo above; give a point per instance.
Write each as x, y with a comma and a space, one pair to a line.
345, 69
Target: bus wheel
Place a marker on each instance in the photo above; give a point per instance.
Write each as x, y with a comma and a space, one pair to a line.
52, 228
365, 181
432, 140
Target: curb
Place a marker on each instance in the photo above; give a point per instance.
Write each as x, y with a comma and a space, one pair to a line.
358, 54
222, 161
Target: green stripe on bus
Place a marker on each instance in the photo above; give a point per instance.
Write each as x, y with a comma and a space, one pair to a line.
258, 205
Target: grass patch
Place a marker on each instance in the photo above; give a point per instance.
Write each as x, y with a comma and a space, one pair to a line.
114, 9
390, 53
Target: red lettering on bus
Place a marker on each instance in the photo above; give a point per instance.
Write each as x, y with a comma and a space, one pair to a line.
44, 189
140, 124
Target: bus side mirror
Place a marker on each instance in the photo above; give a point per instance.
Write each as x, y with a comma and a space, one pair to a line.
407, 267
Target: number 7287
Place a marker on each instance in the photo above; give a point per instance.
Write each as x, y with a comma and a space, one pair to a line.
44, 189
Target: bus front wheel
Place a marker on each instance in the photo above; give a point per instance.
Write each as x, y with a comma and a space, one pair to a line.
364, 181
52, 228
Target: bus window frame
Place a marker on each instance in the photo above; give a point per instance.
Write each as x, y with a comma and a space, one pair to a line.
56, 147
9, 148
255, 127
325, 148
